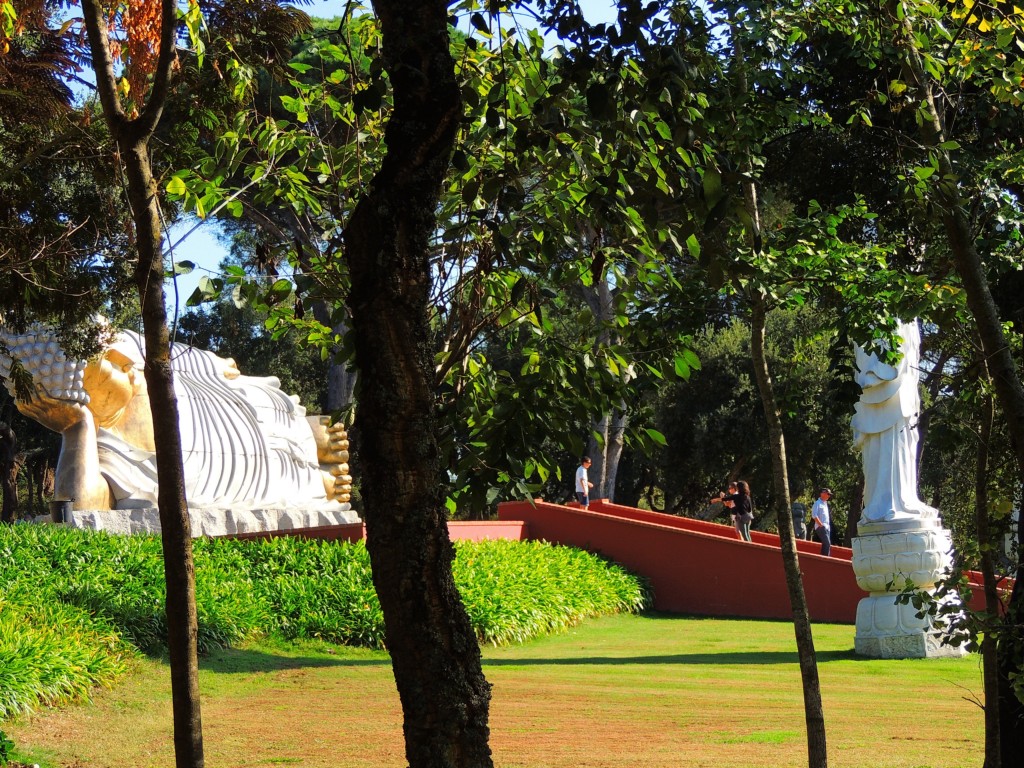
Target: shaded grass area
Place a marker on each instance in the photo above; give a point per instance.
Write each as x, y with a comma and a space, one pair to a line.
76, 605
618, 691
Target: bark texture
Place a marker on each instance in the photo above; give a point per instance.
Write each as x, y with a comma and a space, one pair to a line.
989, 657
132, 136
8, 473
611, 426
434, 651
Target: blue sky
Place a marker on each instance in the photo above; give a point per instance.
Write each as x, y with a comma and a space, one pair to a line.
203, 246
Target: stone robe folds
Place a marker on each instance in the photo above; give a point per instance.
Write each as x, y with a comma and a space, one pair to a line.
885, 430
244, 441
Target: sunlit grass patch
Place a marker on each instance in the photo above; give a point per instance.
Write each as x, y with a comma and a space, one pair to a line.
74, 604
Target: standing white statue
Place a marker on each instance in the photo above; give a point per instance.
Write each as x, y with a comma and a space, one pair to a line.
900, 541
245, 443
885, 431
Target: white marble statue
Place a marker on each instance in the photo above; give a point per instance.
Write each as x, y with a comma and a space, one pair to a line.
245, 443
900, 540
885, 430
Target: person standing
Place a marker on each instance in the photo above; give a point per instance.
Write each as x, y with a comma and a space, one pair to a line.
742, 507
823, 521
729, 505
799, 510
583, 484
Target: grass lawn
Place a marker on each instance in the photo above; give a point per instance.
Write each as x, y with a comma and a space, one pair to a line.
619, 692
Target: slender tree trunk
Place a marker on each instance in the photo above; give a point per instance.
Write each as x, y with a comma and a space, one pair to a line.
434, 652
597, 450
989, 658
133, 137
175, 526
814, 714
1001, 366
853, 513
341, 382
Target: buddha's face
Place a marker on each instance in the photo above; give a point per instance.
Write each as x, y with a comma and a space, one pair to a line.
112, 381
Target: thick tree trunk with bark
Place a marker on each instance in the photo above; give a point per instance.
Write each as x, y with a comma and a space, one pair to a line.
607, 452
814, 714
434, 651
613, 450
133, 137
952, 209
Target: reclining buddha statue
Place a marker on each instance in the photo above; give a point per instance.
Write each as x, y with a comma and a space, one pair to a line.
245, 443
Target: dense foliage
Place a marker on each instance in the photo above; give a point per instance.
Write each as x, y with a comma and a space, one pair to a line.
75, 605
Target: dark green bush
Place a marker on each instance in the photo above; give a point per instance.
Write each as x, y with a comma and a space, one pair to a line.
6, 747
74, 604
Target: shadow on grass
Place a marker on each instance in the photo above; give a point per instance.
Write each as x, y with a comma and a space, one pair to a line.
236, 661
748, 657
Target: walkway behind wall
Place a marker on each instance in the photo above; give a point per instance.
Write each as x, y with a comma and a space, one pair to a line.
695, 566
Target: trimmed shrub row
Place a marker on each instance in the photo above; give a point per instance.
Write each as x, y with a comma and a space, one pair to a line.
74, 605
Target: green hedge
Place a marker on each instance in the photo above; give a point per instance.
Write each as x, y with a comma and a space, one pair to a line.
75, 604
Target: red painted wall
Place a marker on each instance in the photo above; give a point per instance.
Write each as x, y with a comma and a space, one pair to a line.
468, 530
696, 566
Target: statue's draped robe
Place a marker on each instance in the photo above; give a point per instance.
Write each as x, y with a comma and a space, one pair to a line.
885, 429
244, 441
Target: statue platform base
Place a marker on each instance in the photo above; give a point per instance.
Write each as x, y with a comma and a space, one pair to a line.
887, 558
211, 521
887, 630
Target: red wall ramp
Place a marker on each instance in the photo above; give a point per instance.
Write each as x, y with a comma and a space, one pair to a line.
695, 566
466, 530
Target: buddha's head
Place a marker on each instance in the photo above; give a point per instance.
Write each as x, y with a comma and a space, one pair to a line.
112, 381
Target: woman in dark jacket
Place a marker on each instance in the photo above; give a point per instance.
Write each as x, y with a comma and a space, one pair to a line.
743, 508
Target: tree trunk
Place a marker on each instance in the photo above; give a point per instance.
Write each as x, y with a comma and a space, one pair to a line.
1001, 366
8, 473
989, 658
597, 450
434, 651
814, 714
175, 526
132, 137
341, 382
613, 453
853, 513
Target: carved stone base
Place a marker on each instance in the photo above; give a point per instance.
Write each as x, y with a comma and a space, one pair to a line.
884, 561
887, 630
210, 521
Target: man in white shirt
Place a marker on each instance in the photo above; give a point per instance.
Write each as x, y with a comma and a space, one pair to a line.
583, 484
822, 521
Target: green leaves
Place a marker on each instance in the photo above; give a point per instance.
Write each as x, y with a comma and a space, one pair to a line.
72, 600
656, 436
8, 19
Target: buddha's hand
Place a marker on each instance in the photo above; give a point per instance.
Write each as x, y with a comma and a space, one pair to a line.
56, 414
